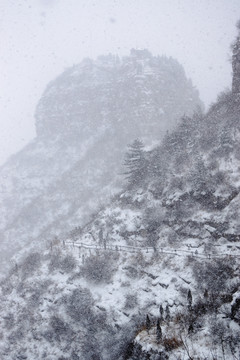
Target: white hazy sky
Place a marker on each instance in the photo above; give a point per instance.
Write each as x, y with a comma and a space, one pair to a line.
40, 38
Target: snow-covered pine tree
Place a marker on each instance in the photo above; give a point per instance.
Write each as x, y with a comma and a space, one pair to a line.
199, 176
189, 299
226, 141
135, 162
161, 312
159, 332
148, 323
167, 312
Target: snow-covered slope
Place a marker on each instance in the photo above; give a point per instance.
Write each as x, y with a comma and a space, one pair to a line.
155, 273
84, 121
166, 248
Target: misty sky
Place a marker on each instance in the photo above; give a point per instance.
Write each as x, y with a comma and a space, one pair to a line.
40, 38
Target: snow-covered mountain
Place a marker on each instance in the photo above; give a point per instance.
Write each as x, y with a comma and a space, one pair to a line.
154, 274
84, 121
164, 254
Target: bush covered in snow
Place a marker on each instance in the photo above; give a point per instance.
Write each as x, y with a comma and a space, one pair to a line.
79, 304
59, 261
131, 301
30, 264
214, 275
60, 328
100, 268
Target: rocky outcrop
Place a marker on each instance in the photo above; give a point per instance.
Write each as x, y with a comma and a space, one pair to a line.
133, 96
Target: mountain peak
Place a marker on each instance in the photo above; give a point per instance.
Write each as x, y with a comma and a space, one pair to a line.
136, 91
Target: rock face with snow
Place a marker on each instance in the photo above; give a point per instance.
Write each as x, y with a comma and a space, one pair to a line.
132, 97
84, 121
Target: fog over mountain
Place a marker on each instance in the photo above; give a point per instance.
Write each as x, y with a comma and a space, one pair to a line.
154, 274
84, 121
120, 232
39, 39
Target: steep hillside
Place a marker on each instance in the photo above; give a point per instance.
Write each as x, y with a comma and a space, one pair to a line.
155, 275
90, 304
84, 121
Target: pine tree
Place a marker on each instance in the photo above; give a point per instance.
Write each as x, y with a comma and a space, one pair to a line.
161, 312
167, 311
189, 298
226, 141
159, 332
199, 176
148, 324
135, 162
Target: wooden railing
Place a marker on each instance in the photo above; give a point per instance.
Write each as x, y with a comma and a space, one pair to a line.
163, 250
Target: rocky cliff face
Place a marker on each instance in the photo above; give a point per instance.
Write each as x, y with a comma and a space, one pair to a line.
133, 96
84, 121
